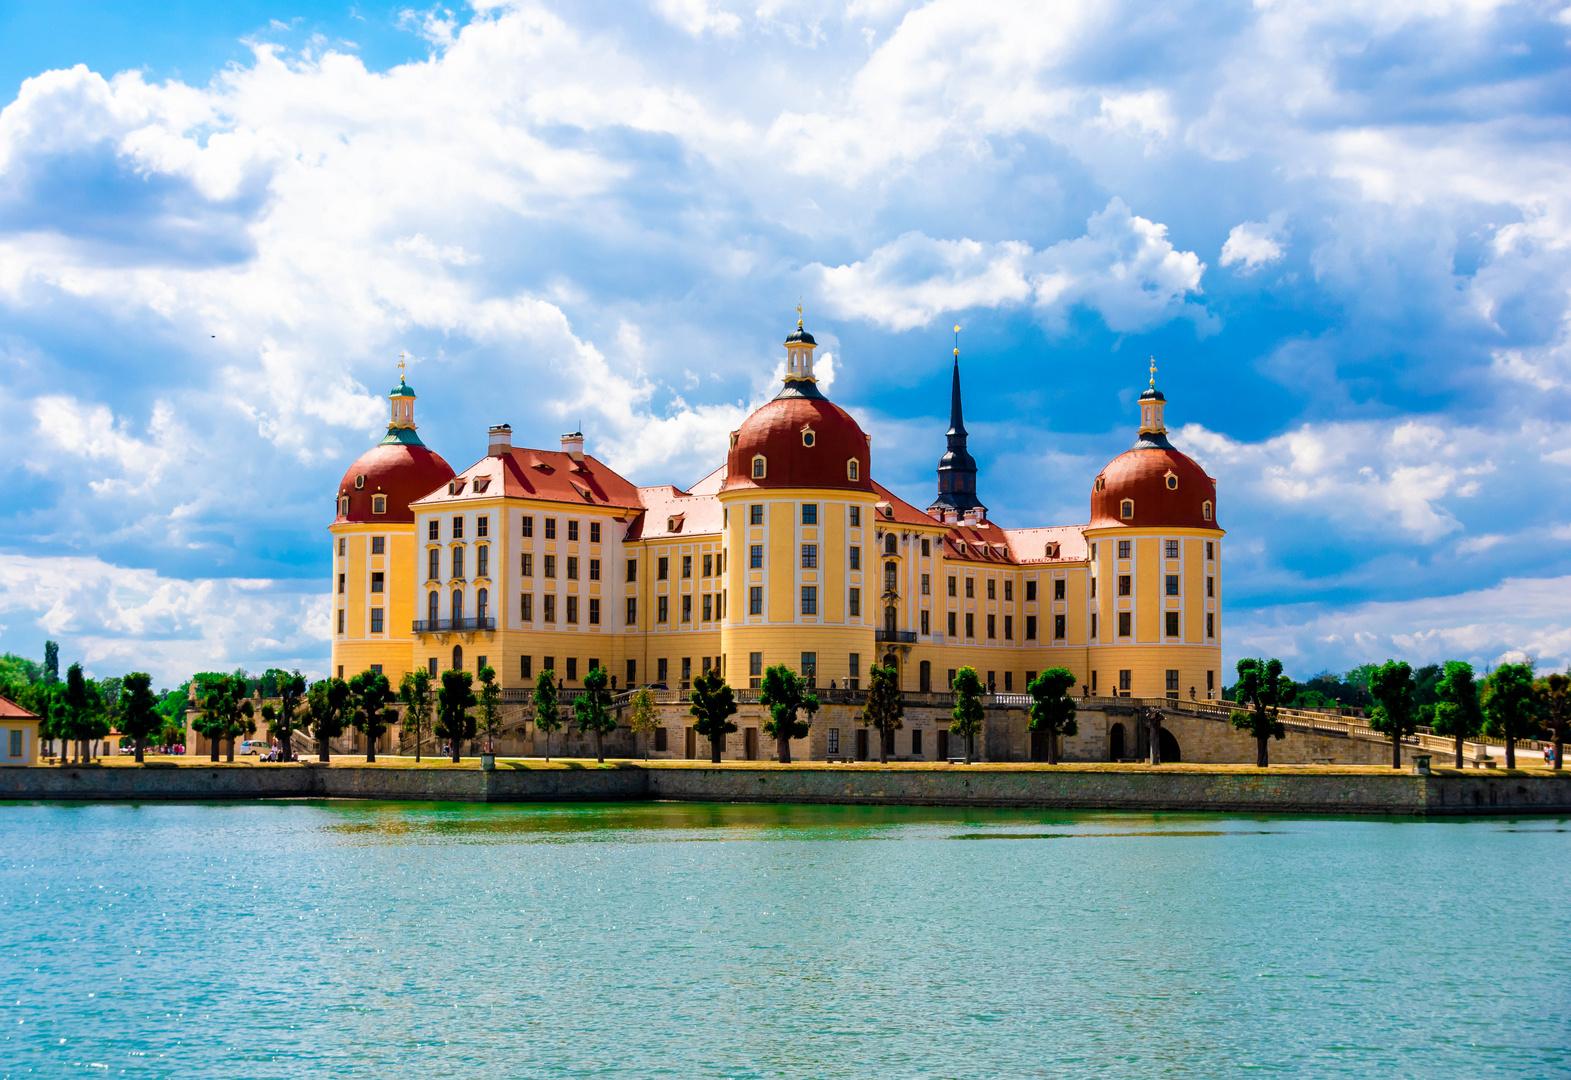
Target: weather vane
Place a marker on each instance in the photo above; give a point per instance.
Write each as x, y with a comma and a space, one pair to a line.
957, 339
1153, 373
400, 367
799, 313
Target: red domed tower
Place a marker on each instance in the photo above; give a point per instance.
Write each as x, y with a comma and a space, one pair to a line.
1156, 585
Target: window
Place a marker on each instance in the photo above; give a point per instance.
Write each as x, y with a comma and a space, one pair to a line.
572, 668
1093, 588
525, 666
1123, 549
755, 670
632, 569
482, 528
572, 568
377, 581
1060, 627
927, 622
992, 626
1205, 510
951, 585
1170, 548
550, 566
594, 569
376, 620
431, 609
855, 600
1172, 482
709, 607
483, 561
809, 556
431, 664
970, 625
526, 564
632, 679
834, 740
755, 514
482, 605
1030, 627
529, 525
891, 546
1093, 552
1126, 509
1059, 586
1171, 585
663, 568
755, 600
343, 506
687, 671
550, 528
1009, 628
662, 669
1093, 626
342, 583
809, 600
379, 545
458, 527
891, 576
458, 605
594, 611
1210, 551
632, 611
970, 588
341, 618
927, 547
1009, 589
1172, 683
687, 566
992, 589
379, 504
1030, 592
1210, 624
526, 607
759, 468
809, 513
709, 565
343, 543
927, 585
594, 532
856, 517
952, 625
687, 608
548, 609
1123, 584
755, 556
1124, 680
856, 557
951, 678
810, 668
572, 531
720, 605
1172, 623
853, 469
1009, 682
663, 609
1123, 624
458, 563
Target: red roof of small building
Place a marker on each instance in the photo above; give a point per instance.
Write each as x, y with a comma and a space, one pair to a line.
10, 710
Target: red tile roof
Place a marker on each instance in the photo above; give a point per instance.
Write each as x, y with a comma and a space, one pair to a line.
11, 710
551, 475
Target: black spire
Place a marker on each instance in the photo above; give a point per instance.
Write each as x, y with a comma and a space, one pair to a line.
957, 468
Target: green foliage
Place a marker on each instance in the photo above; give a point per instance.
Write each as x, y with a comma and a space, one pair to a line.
84, 718
645, 717
489, 721
1264, 689
885, 708
1052, 707
226, 712
713, 705
139, 717
370, 694
548, 707
785, 694
1392, 686
454, 721
1457, 714
415, 690
290, 689
326, 703
592, 709
968, 712
51, 662
1510, 705
18, 671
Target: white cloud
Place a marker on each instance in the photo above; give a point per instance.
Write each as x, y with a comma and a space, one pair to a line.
1124, 268
700, 16
1252, 243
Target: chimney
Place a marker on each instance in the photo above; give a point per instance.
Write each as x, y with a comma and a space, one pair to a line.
573, 445
501, 440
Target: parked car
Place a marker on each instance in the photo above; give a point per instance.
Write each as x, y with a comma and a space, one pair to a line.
253, 747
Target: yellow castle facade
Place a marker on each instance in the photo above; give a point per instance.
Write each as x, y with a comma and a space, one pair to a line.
788, 553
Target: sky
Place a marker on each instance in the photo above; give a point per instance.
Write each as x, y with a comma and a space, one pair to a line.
1341, 229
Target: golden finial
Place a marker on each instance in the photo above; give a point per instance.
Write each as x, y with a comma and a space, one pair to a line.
957, 339
799, 313
400, 367
1153, 373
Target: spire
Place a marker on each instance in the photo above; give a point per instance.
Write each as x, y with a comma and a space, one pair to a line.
957, 468
1153, 427
401, 419
799, 378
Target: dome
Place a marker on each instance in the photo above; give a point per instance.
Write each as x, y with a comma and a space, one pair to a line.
1168, 489
800, 336
402, 470
778, 432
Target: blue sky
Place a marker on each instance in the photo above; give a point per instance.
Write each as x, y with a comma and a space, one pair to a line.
1342, 229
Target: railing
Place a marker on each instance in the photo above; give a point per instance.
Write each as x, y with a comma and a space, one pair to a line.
904, 636
442, 626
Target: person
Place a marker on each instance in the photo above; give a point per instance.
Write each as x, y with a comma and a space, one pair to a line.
831, 684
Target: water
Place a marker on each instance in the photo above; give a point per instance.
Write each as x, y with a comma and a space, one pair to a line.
425, 940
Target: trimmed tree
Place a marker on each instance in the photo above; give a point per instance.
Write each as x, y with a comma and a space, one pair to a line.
326, 704
548, 707
1052, 709
968, 712
885, 709
139, 716
290, 687
713, 705
1261, 686
1457, 713
489, 720
210, 722
1391, 684
644, 718
1555, 694
784, 694
371, 694
592, 709
1510, 711
415, 690
454, 721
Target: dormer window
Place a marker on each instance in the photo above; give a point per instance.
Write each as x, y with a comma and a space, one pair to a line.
455, 486
670, 524
1205, 510
760, 467
808, 437
1052, 551
1126, 509
343, 506
853, 469
1098, 484
360, 481
734, 436
480, 484
1172, 481
379, 504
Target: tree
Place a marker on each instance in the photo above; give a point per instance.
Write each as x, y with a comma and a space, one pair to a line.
592, 709
229, 710
210, 721
83, 711
1261, 686
968, 712
138, 710
645, 716
51, 662
415, 690
1457, 713
785, 694
489, 722
1555, 695
713, 705
1510, 710
454, 721
885, 709
548, 709
371, 694
1052, 709
1392, 686
327, 702
290, 688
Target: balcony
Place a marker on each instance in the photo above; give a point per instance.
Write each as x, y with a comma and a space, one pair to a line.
905, 637
453, 626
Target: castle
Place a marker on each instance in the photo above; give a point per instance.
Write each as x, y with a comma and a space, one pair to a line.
790, 552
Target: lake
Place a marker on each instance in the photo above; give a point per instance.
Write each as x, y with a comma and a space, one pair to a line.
299, 939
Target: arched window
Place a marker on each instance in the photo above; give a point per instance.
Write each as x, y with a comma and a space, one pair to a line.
808, 437
1205, 510
433, 606
458, 658
458, 606
482, 601
1126, 509
889, 544
759, 467
1172, 482
379, 504
343, 506
360, 481
853, 469
891, 575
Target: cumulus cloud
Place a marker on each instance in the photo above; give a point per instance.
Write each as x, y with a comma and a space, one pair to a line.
1252, 243
1124, 268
